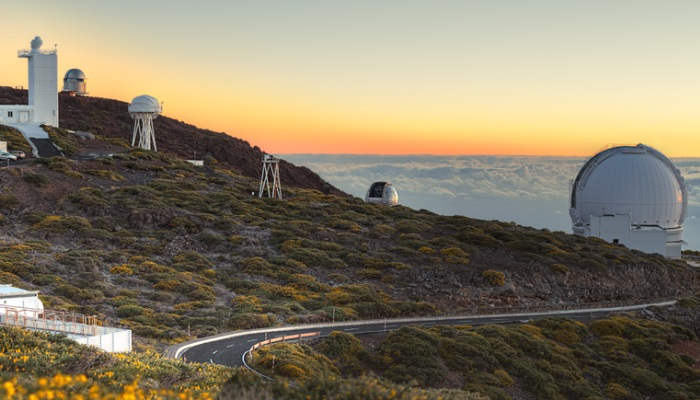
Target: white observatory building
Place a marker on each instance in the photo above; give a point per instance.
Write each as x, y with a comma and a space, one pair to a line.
144, 109
632, 195
74, 82
42, 107
382, 193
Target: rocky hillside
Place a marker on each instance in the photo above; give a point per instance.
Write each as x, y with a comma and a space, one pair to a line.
109, 118
172, 251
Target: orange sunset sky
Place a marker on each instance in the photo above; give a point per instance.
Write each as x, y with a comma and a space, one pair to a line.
391, 77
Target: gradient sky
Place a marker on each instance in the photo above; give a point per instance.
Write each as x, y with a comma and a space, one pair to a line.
396, 77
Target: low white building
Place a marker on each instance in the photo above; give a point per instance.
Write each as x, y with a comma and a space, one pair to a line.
23, 308
633, 195
17, 298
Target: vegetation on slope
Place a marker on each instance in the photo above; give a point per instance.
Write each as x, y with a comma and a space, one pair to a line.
41, 366
52, 366
172, 251
14, 139
616, 358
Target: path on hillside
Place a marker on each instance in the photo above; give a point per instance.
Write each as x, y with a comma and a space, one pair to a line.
38, 139
228, 348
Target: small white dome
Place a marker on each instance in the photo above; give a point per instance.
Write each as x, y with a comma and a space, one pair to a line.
637, 181
75, 82
74, 73
144, 104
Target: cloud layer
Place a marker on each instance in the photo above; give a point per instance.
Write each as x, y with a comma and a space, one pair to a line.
529, 190
467, 176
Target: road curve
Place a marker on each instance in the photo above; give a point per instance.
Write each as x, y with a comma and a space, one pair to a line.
227, 348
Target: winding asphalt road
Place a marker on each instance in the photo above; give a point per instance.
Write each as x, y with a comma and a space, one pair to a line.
228, 348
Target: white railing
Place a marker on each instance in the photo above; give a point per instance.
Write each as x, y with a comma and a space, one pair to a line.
29, 52
48, 320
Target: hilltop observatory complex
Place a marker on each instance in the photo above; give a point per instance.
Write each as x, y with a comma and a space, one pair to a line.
632, 195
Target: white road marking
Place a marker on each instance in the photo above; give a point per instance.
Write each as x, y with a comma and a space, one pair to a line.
351, 329
211, 361
231, 345
252, 340
215, 351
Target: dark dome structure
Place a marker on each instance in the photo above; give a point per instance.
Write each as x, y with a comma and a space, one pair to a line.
382, 193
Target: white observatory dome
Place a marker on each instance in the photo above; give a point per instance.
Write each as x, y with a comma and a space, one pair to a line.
74, 73
637, 181
145, 104
74, 82
382, 193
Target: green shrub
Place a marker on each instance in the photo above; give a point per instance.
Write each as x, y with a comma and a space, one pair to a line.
191, 261
426, 250
251, 321
560, 268
411, 354
8, 202
61, 224
130, 310
210, 238
346, 352
605, 327
35, 179
495, 278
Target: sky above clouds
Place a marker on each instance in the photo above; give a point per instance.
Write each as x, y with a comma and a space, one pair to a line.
541, 77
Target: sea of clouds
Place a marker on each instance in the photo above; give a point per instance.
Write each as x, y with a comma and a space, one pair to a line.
531, 191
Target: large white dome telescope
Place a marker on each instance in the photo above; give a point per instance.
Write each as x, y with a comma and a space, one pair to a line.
144, 109
632, 195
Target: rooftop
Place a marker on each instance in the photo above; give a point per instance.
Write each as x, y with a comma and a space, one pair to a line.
9, 290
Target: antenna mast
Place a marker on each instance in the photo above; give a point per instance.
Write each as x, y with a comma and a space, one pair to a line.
271, 166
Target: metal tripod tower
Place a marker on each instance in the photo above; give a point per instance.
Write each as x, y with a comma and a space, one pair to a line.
271, 166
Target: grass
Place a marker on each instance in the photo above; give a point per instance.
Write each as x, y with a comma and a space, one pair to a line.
14, 139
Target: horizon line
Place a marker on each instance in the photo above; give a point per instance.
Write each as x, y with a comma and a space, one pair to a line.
454, 155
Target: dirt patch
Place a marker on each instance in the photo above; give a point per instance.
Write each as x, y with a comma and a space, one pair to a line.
689, 348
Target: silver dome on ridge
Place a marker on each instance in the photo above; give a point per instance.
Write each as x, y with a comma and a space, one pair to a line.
74, 82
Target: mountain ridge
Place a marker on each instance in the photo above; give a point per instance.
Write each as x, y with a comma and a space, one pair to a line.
110, 118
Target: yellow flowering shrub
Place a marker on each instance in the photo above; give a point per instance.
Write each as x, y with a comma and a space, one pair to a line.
121, 270
36, 365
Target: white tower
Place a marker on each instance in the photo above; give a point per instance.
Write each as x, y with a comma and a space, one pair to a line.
271, 165
43, 86
144, 109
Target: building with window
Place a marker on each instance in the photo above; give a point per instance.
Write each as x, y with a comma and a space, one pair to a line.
42, 107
